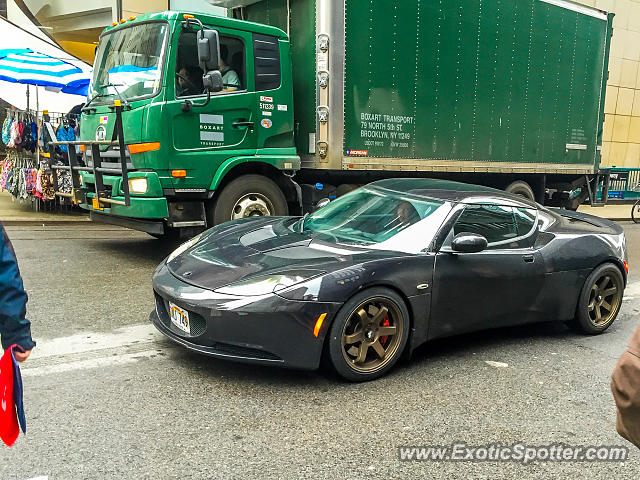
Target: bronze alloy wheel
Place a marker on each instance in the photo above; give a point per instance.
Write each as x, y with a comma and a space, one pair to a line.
372, 335
604, 300
600, 299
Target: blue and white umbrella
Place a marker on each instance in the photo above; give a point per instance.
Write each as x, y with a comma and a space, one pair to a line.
31, 68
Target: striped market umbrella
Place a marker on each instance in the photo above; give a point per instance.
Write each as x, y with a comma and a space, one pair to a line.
32, 68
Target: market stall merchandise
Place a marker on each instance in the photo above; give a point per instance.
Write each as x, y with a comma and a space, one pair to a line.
26, 172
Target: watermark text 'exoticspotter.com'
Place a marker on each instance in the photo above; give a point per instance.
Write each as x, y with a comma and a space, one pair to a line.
517, 452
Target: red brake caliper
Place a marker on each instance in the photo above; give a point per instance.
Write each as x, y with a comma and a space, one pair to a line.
385, 323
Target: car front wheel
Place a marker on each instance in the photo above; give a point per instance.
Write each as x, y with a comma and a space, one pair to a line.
600, 299
368, 335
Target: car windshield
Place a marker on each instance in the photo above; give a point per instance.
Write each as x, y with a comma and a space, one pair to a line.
129, 63
378, 217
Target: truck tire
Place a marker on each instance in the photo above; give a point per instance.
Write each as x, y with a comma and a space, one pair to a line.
248, 196
521, 188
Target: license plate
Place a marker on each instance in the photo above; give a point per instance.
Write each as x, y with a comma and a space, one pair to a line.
180, 318
96, 204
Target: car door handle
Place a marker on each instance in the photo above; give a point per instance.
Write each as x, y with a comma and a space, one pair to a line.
243, 123
528, 258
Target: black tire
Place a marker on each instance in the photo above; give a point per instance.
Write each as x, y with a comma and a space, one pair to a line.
596, 290
635, 212
340, 355
269, 199
521, 188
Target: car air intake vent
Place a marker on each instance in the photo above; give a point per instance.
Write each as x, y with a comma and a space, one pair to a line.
246, 352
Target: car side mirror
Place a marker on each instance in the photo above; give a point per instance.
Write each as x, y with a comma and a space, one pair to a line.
466, 242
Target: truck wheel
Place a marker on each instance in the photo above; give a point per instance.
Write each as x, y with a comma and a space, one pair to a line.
249, 196
521, 188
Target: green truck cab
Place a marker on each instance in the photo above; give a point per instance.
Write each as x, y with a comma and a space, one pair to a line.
287, 102
191, 162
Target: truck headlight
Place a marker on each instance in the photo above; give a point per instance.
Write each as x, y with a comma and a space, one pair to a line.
138, 185
265, 284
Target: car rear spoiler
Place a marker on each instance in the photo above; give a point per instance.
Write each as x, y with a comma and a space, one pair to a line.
97, 169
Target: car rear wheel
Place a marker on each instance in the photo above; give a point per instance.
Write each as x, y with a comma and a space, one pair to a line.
248, 196
368, 335
600, 299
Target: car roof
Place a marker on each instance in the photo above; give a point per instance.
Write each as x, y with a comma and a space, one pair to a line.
450, 191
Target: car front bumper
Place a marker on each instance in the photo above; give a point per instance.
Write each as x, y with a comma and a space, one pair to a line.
268, 329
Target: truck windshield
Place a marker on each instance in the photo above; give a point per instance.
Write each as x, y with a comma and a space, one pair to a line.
378, 218
129, 63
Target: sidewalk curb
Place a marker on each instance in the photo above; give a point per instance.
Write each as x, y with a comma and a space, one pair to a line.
37, 223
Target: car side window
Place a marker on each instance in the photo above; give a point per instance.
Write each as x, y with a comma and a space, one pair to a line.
189, 74
494, 222
525, 220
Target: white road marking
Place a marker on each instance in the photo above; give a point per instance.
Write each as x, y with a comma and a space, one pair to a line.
91, 341
632, 290
86, 364
88, 350
496, 364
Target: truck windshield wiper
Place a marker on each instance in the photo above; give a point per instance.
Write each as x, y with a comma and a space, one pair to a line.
115, 85
98, 95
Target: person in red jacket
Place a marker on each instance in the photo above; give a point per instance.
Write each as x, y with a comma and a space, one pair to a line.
14, 326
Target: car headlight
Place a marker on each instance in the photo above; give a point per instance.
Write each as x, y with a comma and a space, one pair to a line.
265, 284
138, 185
184, 247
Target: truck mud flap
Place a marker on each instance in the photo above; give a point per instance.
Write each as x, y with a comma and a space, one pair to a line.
102, 196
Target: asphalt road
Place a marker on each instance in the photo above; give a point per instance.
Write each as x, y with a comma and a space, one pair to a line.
108, 397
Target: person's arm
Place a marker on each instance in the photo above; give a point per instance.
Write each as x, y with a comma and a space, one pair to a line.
230, 81
14, 327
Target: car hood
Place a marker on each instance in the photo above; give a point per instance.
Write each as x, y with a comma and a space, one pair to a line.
267, 245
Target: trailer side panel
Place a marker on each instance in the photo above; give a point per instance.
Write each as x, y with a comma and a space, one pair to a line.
474, 86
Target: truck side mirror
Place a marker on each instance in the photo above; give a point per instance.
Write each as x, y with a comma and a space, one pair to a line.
209, 59
208, 50
212, 81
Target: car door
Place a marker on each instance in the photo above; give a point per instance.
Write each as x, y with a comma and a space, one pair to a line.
205, 136
493, 288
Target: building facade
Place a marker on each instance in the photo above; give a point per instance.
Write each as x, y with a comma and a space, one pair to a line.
76, 26
621, 133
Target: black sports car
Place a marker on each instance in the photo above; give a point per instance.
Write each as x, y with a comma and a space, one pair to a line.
383, 269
